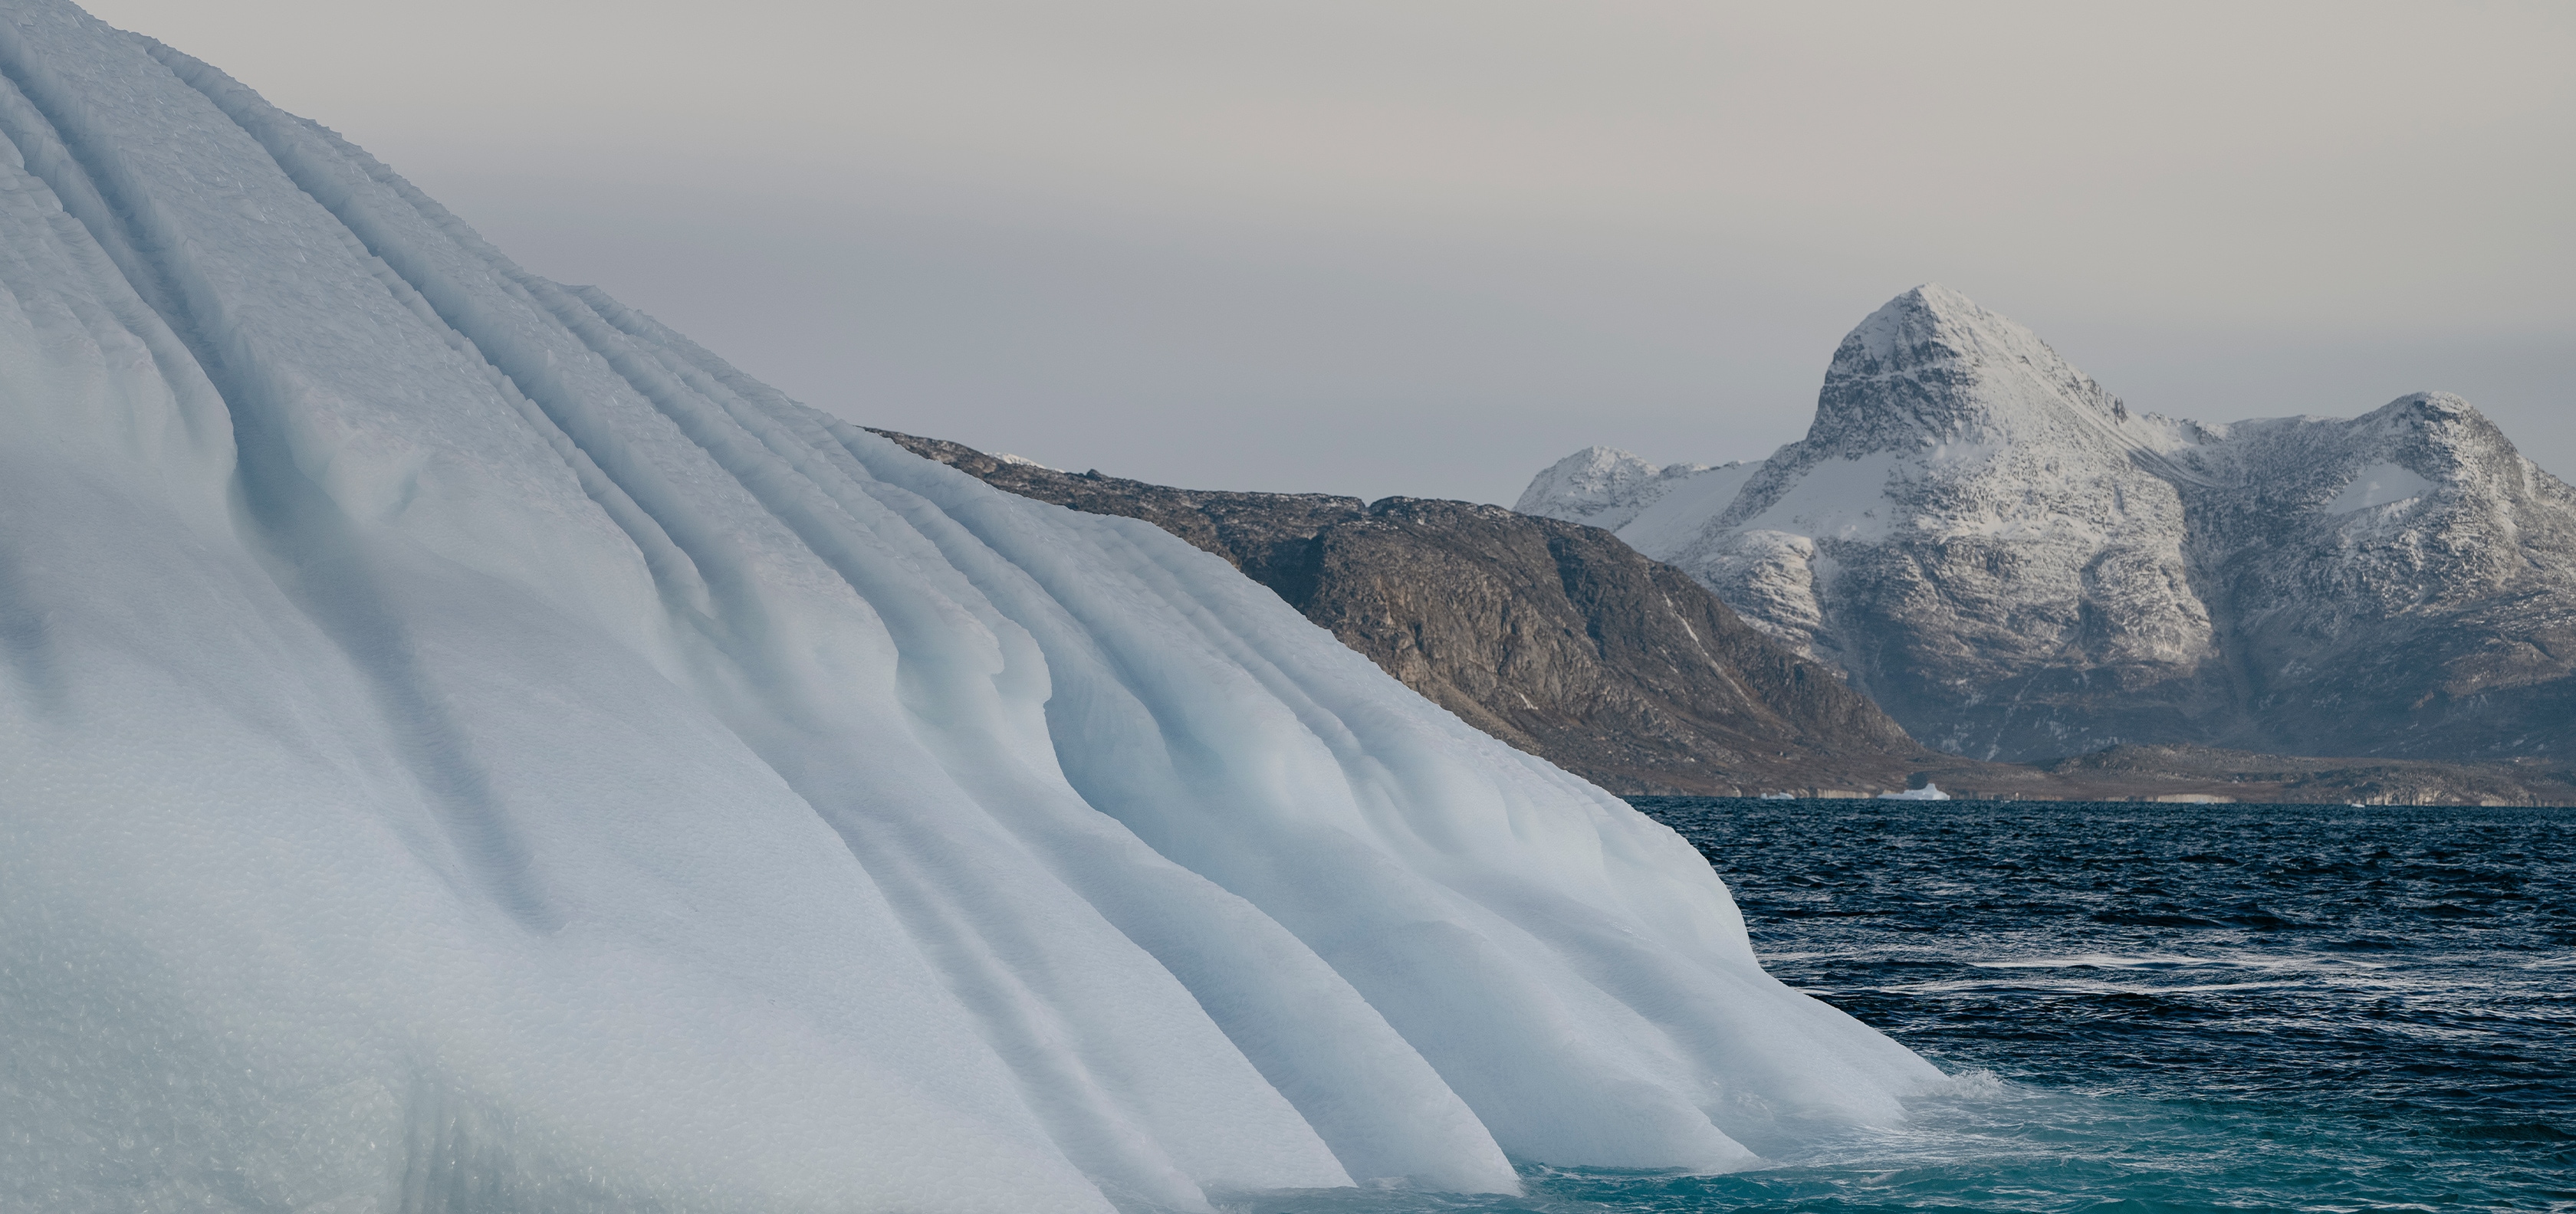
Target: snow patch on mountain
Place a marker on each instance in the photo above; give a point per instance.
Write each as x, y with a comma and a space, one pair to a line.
1675, 515
1838, 499
2379, 485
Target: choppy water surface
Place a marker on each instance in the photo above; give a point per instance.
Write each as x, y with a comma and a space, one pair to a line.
2158, 1007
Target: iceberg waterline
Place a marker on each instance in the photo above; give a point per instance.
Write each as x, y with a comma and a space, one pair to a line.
462, 745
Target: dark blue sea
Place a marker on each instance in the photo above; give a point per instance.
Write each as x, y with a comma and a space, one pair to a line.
2155, 1007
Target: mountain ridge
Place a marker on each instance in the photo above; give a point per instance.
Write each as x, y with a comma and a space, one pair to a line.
2018, 566
1555, 637
1385, 578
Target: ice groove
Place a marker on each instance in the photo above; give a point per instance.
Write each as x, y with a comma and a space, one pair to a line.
319, 560
470, 747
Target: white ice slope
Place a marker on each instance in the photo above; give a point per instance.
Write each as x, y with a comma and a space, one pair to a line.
463, 746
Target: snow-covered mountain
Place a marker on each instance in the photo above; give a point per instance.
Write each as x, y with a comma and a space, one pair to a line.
464, 746
2017, 566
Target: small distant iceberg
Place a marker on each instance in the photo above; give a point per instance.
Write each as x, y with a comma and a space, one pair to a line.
1779, 796
1929, 792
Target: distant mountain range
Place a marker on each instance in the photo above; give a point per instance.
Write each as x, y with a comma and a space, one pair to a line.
1565, 642
2017, 566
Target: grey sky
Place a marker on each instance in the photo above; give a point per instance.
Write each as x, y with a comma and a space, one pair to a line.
1428, 246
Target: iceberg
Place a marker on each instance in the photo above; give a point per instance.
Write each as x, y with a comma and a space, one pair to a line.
1929, 792
465, 746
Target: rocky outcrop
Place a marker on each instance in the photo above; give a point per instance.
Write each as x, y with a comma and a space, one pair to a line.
1553, 636
2018, 566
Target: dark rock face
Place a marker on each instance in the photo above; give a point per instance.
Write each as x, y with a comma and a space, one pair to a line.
1553, 636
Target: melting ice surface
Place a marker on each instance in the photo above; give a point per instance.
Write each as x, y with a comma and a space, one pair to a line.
465, 747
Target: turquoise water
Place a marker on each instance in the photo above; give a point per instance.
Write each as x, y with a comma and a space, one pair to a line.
2151, 1008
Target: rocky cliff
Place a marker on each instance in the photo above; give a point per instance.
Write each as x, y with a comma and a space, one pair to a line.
2018, 566
1553, 636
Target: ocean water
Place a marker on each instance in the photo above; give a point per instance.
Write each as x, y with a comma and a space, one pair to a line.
2152, 1007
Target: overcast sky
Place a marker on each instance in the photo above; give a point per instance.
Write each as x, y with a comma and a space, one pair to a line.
1429, 246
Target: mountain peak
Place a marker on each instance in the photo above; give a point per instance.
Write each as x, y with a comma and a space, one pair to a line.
2440, 429
1591, 477
2432, 407
1930, 314
1933, 323
1932, 363
1602, 486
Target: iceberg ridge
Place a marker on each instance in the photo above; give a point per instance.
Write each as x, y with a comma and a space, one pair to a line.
467, 746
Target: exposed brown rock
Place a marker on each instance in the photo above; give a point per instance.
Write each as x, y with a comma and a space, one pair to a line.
1553, 636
